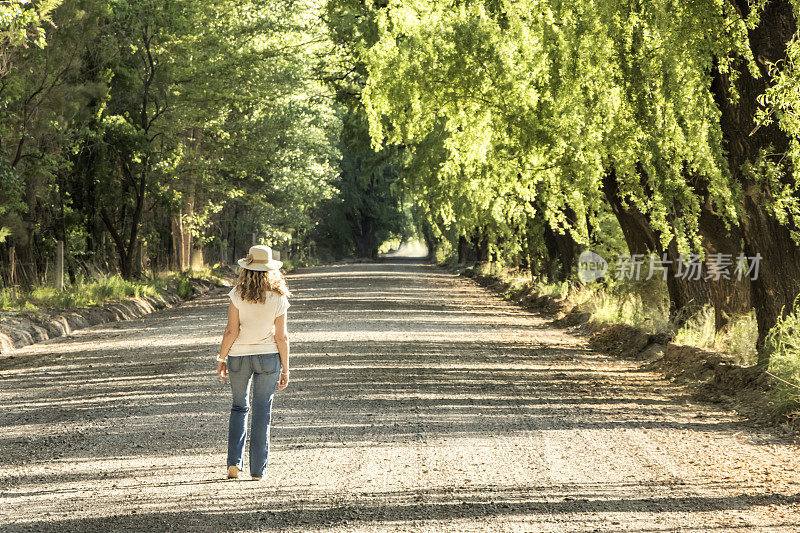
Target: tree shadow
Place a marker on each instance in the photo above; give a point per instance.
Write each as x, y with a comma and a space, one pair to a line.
568, 505
390, 365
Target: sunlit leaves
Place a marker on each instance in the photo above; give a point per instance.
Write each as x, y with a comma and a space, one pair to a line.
24, 22
534, 99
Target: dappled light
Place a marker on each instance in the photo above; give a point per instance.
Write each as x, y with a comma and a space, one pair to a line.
451, 411
543, 260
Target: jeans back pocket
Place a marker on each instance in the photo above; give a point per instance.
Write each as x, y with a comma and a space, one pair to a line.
269, 363
234, 364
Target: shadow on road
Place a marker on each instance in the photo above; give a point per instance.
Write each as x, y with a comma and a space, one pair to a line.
385, 353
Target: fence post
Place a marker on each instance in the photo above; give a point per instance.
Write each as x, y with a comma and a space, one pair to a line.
12, 258
60, 265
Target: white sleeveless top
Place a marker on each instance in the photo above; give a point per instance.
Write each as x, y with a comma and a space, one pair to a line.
257, 324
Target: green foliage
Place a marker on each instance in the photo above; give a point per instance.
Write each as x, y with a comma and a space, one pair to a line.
367, 209
185, 289
82, 294
23, 22
370, 200
517, 107
148, 125
390, 245
443, 252
783, 343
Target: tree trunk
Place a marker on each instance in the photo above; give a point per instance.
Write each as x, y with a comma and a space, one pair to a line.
561, 251
481, 245
686, 296
463, 249
365, 240
636, 229
122, 253
730, 297
778, 281
181, 233
127, 252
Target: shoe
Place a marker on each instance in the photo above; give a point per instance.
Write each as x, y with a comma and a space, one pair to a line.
256, 478
233, 472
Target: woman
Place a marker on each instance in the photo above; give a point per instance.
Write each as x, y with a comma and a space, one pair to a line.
255, 348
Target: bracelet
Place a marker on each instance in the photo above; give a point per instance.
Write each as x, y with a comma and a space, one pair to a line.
221, 360
285, 373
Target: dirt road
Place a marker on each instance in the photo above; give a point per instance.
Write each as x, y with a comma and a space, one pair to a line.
419, 402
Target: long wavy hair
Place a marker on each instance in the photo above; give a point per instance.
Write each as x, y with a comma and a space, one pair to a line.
253, 285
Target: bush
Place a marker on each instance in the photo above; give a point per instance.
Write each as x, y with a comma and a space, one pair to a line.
783, 345
185, 289
641, 304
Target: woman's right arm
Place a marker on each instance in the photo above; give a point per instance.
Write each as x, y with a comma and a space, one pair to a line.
282, 340
228, 338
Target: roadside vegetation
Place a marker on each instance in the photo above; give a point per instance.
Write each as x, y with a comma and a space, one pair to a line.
101, 290
784, 345
645, 305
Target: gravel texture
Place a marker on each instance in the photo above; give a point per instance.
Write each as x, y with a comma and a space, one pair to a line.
419, 401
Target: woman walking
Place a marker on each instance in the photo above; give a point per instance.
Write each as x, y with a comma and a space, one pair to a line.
255, 349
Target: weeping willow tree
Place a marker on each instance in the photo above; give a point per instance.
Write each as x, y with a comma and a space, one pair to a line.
533, 118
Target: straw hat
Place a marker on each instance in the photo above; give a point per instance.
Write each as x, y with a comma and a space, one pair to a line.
260, 258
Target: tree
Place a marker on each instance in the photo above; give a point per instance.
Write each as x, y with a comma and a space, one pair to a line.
571, 107
368, 206
151, 131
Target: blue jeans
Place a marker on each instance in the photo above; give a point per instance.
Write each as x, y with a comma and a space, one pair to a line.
262, 371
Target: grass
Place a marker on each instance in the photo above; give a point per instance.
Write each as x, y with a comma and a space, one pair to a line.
737, 338
639, 304
185, 289
520, 281
645, 305
82, 294
102, 290
642, 304
783, 343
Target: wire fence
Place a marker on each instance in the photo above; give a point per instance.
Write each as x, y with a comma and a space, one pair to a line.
24, 275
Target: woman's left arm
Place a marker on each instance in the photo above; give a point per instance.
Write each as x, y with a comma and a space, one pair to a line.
228, 338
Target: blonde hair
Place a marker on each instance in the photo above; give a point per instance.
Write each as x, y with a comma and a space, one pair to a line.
253, 285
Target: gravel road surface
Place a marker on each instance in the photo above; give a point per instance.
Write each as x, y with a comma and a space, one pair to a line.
419, 401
